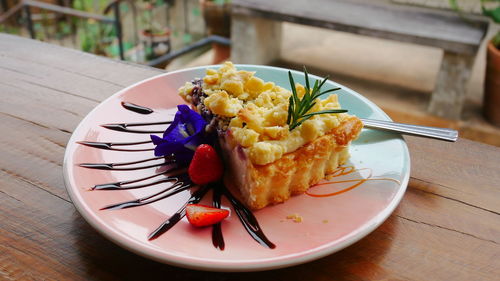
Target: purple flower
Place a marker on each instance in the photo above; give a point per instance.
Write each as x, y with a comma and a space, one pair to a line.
183, 135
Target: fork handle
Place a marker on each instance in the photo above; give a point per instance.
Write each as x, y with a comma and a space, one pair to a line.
421, 131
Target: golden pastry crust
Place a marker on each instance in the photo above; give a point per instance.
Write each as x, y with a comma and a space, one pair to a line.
262, 185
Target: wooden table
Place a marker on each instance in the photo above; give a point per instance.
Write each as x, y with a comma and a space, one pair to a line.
447, 226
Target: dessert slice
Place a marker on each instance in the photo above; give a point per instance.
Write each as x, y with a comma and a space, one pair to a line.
272, 149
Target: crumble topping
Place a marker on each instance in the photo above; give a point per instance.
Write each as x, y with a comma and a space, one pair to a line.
255, 112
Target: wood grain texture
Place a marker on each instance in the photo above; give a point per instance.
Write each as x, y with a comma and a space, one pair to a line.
447, 226
444, 30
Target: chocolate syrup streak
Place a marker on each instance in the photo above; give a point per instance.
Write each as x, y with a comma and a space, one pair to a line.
137, 108
177, 216
175, 174
124, 165
122, 127
217, 237
177, 187
124, 185
248, 220
109, 145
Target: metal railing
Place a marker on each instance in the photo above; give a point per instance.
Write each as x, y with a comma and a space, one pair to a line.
27, 5
196, 45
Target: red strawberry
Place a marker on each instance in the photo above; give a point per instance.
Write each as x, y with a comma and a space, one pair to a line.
202, 215
206, 165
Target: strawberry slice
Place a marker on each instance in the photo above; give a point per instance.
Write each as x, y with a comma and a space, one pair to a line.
201, 215
206, 165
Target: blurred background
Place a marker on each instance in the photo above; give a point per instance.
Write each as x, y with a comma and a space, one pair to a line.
173, 34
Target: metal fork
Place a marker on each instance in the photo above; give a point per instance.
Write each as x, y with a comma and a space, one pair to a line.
421, 131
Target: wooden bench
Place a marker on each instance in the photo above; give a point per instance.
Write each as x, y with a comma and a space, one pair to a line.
256, 35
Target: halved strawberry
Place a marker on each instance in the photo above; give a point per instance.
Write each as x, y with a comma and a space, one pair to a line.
206, 166
202, 215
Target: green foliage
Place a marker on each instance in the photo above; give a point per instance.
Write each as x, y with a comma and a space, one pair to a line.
195, 11
220, 2
91, 6
496, 40
187, 38
114, 51
91, 35
147, 16
5, 28
491, 9
493, 13
37, 28
63, 30
94, 37
299, 109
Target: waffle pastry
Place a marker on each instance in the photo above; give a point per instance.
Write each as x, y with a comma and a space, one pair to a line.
266, 163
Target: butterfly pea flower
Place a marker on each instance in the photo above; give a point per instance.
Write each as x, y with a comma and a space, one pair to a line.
181, 138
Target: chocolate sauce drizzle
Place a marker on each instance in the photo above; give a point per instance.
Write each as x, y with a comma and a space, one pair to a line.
177, 216
109, 145
175, 174
123, 127
177, 187
248, 220
124, 185
217, 237
119, 166
136, 108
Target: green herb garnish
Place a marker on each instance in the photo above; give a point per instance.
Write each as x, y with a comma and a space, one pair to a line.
298, 109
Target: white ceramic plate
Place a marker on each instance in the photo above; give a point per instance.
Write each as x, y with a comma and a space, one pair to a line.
329, 224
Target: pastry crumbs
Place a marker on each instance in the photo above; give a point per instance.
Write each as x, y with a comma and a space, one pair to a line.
294, 217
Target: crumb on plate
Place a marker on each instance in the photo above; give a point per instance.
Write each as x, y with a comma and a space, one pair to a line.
295, 217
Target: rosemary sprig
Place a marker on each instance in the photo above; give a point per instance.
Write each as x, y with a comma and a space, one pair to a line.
298, 109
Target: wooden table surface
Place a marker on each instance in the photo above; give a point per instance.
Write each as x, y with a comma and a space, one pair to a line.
447, 227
